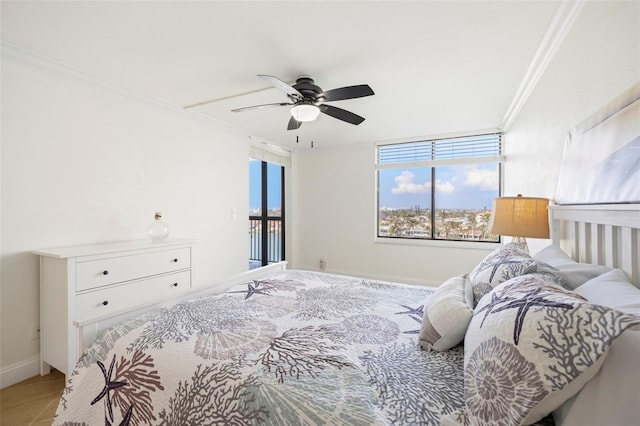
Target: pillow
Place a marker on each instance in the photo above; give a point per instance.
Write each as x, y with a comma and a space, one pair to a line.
614, 290
530, 346
447, 314
611, 397
502, 264
553, 259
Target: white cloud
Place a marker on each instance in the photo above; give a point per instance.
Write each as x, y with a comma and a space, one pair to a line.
405, 185
446, 187
485, 179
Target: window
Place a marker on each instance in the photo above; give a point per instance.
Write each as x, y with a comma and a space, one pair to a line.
268, 166
439, 189
266, 213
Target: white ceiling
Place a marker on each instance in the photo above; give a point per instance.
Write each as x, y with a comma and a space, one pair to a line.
436, 67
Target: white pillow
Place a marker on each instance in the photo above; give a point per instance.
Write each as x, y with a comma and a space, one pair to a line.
573, 273
611, 397
447, 314
528, 349
614, 290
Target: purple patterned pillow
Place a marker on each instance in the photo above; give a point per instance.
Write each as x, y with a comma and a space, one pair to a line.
502, 264
530, 346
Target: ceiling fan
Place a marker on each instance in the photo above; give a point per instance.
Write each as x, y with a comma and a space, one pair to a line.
307, 100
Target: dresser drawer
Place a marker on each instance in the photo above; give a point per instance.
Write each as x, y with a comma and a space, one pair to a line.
100, 272
118, 297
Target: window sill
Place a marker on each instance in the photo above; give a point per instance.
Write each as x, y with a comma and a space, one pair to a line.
485, 246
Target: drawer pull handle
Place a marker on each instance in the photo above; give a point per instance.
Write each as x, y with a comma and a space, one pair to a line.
105, 272
105, 303
175, 284
175, 260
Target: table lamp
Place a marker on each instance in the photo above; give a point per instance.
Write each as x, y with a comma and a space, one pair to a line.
520, 217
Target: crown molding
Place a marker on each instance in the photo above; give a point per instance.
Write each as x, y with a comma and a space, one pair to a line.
9, 50
565, 16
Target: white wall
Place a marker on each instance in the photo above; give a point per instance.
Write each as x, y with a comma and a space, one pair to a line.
84, 163
335, 199
335, 212
599, 59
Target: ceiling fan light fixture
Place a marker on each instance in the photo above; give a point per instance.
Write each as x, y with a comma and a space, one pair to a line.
305, 112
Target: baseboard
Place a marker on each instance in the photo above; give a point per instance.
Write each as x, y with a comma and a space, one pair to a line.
380, 277
18, 372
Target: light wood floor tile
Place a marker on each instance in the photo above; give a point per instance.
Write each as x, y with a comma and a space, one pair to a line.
33, 401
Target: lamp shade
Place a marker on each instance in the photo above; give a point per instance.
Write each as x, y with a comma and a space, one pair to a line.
305, 112
520, 217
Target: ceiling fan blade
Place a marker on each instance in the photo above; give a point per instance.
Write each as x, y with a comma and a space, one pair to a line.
349, 92
291, 91
294, 124
259, 106
341, 114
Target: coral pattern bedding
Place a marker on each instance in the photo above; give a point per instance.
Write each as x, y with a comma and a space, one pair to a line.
296, 348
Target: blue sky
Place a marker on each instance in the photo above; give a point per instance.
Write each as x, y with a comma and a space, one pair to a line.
457, 187
273, 181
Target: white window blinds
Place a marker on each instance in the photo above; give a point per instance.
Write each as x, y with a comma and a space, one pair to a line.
479, 147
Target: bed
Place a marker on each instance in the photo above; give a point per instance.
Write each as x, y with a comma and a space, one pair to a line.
295, 347
542, 338
301, 347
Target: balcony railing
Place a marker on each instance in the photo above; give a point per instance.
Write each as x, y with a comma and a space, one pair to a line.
274, 238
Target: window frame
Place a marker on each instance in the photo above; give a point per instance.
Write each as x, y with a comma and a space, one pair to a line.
432, 164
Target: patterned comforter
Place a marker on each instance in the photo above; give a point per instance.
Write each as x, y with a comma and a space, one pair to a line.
296, 348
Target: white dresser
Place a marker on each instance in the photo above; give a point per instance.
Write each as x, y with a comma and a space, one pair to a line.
82, 283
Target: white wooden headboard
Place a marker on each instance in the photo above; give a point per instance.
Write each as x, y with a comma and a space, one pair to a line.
604, 234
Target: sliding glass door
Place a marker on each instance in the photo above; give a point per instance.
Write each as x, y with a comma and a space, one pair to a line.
266, 213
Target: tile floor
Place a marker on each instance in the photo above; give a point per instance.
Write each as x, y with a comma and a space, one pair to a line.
31, 402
